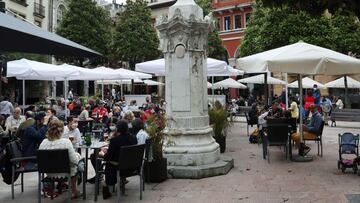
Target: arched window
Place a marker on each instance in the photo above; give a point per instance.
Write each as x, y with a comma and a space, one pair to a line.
60, 12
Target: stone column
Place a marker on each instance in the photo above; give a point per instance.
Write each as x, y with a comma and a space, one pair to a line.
190, 149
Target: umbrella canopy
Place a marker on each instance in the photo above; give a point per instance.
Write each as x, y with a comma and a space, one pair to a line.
118, 82
20, 36
209, 85
228, 83
301, 58
215, 68
87, 74
25, 69
340, 83
259, 79
152, 83
121, 73
307, 83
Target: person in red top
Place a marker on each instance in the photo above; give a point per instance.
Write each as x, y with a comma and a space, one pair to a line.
100, 113
309, 101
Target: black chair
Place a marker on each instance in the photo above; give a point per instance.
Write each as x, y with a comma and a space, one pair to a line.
148, 144
277, 135
250, 122
53, 161
13, 149
318, 138
131, 163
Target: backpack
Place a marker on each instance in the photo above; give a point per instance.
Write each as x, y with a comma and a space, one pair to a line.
254, 136
12, 149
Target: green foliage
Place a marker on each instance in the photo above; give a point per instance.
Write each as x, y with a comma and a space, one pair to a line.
215, 47
205, 5
274, 27
218, 120
155, 126
89, 25
135, 36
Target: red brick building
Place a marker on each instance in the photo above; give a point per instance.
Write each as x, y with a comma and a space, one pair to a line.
232, 16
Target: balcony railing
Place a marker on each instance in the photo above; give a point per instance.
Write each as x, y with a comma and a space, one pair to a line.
39, 10
21, 2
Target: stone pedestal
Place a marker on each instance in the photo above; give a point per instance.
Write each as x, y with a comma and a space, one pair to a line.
190, 148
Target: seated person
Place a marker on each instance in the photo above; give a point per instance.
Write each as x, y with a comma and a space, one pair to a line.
54, 141
51, 113
13, 122
121, 138
100, 113
133, 106
71, 131
275, 110
139, 131
34, 134
310, 130
2, 127
84, 115
29, 116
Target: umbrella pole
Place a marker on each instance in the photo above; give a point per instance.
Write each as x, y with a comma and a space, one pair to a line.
299, 157
286, 92
346, 99
66, 97
23, 94
102, 89
266, 89
53, 83
212, 88
122, 91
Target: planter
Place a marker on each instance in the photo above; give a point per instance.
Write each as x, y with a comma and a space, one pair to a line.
156, 171
221, 140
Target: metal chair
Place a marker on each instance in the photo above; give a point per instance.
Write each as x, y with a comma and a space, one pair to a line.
131, 163
318, 139
53, 161
249, 122
277, 135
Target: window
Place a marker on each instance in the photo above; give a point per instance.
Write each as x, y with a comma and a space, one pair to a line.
37, 23
60, 13
247, 18
227, 23
238, 23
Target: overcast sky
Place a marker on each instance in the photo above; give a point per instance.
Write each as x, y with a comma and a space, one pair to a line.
117, 1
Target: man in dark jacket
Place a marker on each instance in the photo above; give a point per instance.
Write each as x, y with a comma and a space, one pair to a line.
121, 138
34, 135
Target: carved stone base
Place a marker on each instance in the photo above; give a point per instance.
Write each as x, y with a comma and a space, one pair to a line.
194, 154
220, 167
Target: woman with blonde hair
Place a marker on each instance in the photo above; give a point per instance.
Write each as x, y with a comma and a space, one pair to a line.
54, 140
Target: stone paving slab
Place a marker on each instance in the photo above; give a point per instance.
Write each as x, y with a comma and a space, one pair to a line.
251, 180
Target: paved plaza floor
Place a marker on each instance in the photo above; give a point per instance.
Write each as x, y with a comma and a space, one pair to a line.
251, 180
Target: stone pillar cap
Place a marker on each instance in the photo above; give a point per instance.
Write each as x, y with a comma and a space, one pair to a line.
187, 8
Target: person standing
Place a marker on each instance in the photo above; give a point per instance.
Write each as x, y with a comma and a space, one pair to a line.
294, 108
317, 96
339, 103
6, 108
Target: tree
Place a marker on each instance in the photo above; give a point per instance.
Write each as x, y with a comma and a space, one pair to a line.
89, 25
215, 45
135, 37
274, 27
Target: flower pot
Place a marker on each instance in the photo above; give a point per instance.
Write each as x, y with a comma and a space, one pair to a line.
221, 140
156, 171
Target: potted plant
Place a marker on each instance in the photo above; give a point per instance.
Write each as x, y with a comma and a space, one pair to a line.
218, 121
156, 169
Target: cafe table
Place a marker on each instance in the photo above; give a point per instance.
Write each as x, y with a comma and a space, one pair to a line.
96, 146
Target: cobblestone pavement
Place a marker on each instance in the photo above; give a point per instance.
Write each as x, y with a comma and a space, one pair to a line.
251, 180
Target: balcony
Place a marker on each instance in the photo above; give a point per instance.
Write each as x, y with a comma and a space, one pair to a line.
39, 10
21, 2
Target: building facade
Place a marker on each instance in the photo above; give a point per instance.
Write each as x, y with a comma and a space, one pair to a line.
232, 17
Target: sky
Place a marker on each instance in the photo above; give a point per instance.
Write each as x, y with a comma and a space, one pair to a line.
117, 1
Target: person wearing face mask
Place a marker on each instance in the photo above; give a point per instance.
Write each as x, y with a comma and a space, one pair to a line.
71, 131
310, 130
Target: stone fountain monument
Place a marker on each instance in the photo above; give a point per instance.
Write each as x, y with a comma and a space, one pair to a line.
190, 149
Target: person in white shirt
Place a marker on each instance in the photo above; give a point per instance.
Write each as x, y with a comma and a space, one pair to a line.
13, 122
339, 103
6, 108
71, 131
139, 131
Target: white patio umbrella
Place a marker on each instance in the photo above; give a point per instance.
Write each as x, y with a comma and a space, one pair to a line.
209, 85
340, 83
228, 83
152, 83
214, 68
307, 83
306, 59
118, 82
259, 79
24, 69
